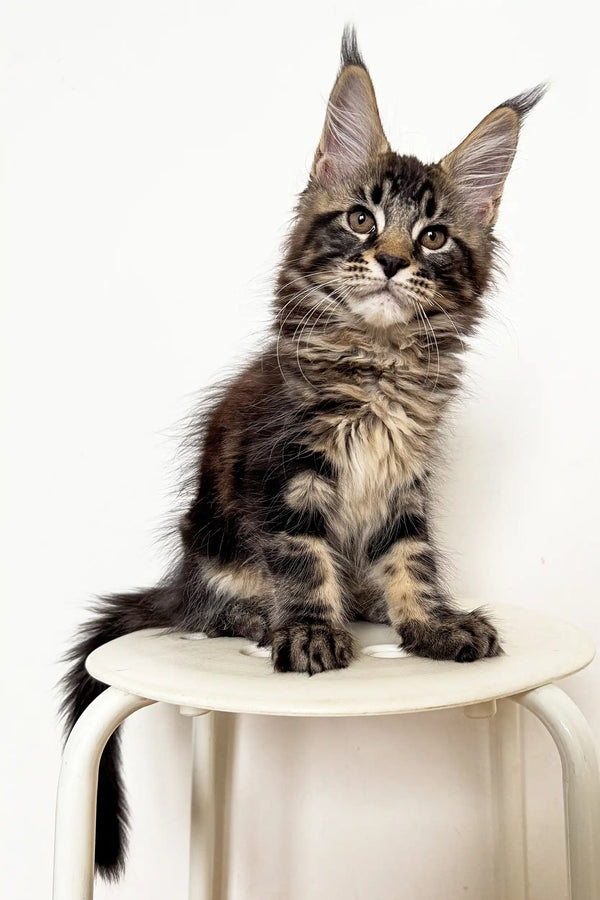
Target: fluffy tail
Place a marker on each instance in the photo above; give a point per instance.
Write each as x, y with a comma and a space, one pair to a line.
114, 616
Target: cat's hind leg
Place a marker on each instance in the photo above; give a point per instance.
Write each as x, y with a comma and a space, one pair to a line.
240, 601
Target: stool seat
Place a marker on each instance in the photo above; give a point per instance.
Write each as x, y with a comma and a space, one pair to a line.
234, 675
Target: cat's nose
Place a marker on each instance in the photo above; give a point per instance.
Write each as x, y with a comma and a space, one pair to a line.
391, 264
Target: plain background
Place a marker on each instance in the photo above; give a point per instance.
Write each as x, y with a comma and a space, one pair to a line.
150, 155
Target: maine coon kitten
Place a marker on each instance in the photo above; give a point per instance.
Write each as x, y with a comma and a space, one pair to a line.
311, 495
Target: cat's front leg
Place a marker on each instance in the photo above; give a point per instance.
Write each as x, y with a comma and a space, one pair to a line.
309, 634
403, 565
308, 622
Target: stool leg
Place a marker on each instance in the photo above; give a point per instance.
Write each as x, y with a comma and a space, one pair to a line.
212, 763
202, 810
76, 800
581, 782
212, 768
509, 803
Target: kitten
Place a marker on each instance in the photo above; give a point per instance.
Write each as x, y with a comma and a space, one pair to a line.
311, 495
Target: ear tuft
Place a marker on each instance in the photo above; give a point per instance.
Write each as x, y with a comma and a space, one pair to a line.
524, 103
350, 54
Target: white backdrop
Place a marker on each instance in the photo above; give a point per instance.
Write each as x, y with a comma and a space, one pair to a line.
131, 134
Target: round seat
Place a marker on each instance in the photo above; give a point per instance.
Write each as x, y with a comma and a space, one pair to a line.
234, 675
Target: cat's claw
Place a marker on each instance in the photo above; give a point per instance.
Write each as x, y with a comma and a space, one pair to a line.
311, 648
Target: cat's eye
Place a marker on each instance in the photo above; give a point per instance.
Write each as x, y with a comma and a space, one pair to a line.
433, 238
361, 220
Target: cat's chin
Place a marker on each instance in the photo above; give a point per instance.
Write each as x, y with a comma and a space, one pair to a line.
382, 310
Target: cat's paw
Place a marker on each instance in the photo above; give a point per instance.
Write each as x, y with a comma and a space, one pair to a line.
463, 637
311, 648
251, 625
255, 628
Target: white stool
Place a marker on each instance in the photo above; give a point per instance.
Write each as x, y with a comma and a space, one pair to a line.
232, 675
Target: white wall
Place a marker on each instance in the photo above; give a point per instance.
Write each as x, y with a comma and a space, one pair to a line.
132, 134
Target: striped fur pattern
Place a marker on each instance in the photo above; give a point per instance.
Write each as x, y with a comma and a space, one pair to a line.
311, 492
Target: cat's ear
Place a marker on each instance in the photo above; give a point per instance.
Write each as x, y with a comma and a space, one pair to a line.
352, 132
479, 165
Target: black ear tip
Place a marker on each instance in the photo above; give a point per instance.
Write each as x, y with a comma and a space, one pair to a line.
350, 54
524, 103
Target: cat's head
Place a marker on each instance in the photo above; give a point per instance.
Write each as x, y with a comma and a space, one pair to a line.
385, 238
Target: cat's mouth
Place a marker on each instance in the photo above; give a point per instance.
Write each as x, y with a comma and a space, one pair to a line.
393, 293
384, 305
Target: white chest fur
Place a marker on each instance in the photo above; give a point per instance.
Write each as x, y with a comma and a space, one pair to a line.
382, 433
380, 448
